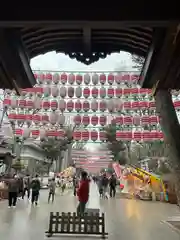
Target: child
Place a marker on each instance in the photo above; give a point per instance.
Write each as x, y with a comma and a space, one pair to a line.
52, 187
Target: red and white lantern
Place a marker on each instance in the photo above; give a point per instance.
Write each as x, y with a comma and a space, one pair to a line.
78, 92
28, 119
102, 78
145, 120
52, 134
70, 92
6, 102
154, 135
110, 92
86, 106
118, 92
77, 120
102, 120
95, 79
41, 78
42, 134
102, 136
128, 120
127, 105
26, 133
102, 92
45, 119
37, 103
135, 105
86, 92
143, 92
152, 105
94, 92
35, 133
63, 92
94, 105
119, 105
94, 120
118, 78
177, 105
87, 79
54, 91
127, 92
20, 118
45, 104
71, 78
61, 119
85, 120
79, 79
111, 106
14, 103
18, 132
94, 135
54, 105
56, 78
134, 91
134, 78
102, 106
137, 136
143, 105
146, 136
48, 78
61, 134
128, 135
36, 118
47, 91
77, 135
29, 104
137, 120
119, 120
62, 105
154, 120
53, 117
12, 117
110, 79
78, 106
85, 135
64, 78
70, 106
120, 135
126, 78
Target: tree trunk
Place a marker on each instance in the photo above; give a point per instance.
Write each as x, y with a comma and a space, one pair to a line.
171, 130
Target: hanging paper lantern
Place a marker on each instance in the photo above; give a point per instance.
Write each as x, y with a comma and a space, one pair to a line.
102, 92
135, 105
78, 92
63, 92
154, 120
26, 133
118, 105
145, 120
146, 136
53, 117
152, 105
118, 92
102, 106
12, 117
71, 78
62, 105
46, 91
126, 78
41, 78
94, 135
86, 106
134, 92
35, 133
111, 106
70, 92
45, 104
128, 120
102, 120
127, 105
143, 92
18, 132
48, 78
127, 92
128, 135
102, 136
136, 120
120, 135
42, 134
85, 120
177, 105
86, 92
137, 136
20, 118
77, 135
61, 119
85, 135
36, 118
56, 78
102, 78
94, 120
45, 119
154, 135
29, 104
144, 105
87, 78
14, 103
52, 134
119, 120
118, 78
77, 120
55, 91
6, 102
94, 92
110, 79
94, 105
64, 78
28, 119
54, 105
79, 79
110, 92
70, 105
78, 105
95, 79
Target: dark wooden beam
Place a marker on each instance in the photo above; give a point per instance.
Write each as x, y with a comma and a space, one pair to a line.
159, 58
87, 40
14, 59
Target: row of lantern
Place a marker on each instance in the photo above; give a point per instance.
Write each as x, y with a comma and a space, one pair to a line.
87, 78
86, 135
85, 92
77, 105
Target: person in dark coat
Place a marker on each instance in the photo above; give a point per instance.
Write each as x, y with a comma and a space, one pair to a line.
13, 190
35, 186
112, 186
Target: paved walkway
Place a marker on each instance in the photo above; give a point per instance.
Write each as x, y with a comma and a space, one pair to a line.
125, 219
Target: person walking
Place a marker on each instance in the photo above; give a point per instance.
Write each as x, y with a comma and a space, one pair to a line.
83, 193
104, 184
13, 190
35, 186
75, 185
27, 184
112, 186
52, 188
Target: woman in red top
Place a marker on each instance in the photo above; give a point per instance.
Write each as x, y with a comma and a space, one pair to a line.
83, 193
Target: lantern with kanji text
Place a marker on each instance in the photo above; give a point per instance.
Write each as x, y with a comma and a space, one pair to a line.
85, 120
127, 92
127, 105
135, 106
118, 92
154, 135
61, 134
145, 120
14, 103
77, 120
102, 136
94, 120
45, 104
79, 79
134, 78
71, 78
63, 92
152, 105
118, 78
110, 78
70, 105
102, 120
36, 118
54, 105
143, 92
102, 106
128, 120
110, 92
135, 92
86, 92
85, 135
94, 92
51, 133
78, 106
86, 106
102, 78
29, 104
137, 136
20, 117
119, 120
64, 78
154, 120
34, 133
94, 135
77, 135
48, 78
18, 132
128, 135
144, 105
146, 136
94, 105
120, 135
6, 102
41, 78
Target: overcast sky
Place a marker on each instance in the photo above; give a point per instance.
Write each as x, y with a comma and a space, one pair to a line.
60, 62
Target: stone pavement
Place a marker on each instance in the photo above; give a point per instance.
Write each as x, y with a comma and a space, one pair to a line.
125, 219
